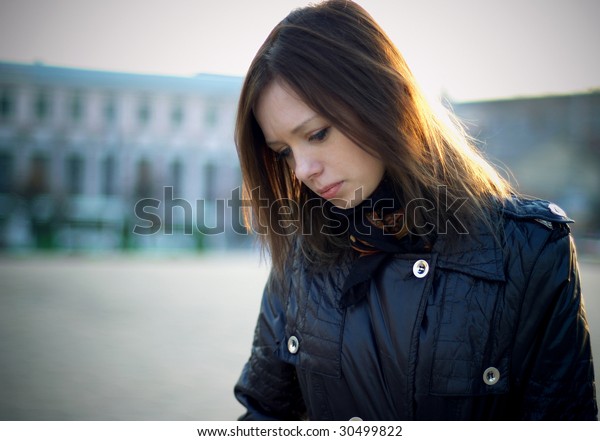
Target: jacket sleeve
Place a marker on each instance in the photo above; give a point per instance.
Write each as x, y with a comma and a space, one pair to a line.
268, 387
555, 372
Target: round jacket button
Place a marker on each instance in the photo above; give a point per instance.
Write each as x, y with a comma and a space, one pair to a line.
355, 419
555, 209
491, 376
420, 268
293, 344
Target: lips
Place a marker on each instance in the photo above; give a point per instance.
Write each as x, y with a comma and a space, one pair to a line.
330, 191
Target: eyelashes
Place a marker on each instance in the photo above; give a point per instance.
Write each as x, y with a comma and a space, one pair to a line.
316, 137
283, 154
320, 135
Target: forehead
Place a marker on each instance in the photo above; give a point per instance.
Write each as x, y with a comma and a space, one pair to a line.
278, 106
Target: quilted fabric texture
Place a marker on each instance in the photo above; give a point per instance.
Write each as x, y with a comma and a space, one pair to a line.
495, 329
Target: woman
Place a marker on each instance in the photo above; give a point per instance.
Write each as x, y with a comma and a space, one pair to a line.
408, 282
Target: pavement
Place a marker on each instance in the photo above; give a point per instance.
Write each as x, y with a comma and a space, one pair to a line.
140, 338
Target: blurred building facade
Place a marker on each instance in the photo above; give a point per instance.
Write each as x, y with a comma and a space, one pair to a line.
549, 146
79, 149
93, 160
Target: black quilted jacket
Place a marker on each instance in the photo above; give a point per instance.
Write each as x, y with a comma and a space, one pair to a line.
482, 329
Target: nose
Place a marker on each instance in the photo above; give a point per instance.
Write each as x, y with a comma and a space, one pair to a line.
306, 165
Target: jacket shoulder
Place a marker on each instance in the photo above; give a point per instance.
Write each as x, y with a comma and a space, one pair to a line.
534, 232
541, 211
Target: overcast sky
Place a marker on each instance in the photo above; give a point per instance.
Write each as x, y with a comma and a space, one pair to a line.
471, 49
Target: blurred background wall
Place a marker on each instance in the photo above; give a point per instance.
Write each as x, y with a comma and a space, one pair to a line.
79, 149
549, 147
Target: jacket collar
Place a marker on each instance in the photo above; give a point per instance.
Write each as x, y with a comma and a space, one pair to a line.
477, 253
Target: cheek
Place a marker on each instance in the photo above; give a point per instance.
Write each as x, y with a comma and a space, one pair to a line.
379, 169
373, 168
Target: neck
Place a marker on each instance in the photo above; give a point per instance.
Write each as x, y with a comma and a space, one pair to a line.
381, 202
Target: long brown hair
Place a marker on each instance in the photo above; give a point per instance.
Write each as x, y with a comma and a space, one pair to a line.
338, 60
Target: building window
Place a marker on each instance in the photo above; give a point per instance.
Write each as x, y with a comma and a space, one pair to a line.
110, 110
75, 174
6, 103
37, 178
177, 114
144, 112
42, 105
109, 174
77, 107
144, 187
177, 176
210, 181
6, 172
210, 116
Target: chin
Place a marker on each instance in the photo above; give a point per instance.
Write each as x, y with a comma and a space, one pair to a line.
343, 203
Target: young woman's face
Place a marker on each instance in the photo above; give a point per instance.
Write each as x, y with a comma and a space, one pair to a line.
321, 156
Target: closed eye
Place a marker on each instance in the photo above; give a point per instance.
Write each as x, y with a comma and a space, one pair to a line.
283, 154
319, 136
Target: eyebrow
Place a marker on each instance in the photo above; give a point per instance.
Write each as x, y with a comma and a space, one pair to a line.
300, 127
